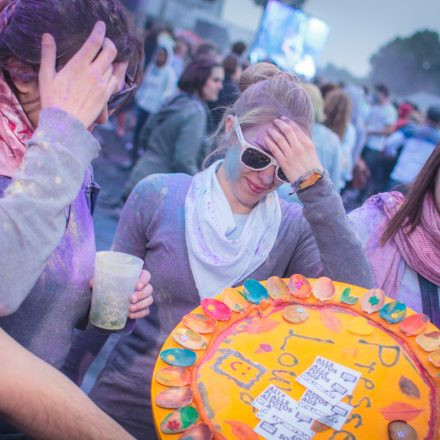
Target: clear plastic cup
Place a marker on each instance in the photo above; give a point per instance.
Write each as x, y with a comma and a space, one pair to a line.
116, 275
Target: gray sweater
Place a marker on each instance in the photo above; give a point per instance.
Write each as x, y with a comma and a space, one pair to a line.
173, 139
315, 240
33, 210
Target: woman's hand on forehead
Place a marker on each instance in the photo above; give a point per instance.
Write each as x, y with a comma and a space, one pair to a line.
292, 148
84, 85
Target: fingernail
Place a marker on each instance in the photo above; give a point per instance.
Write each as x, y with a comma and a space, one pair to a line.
284, 118
100, 26
46, 39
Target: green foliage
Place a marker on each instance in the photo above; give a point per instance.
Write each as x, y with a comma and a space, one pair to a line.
410, 64
295, 3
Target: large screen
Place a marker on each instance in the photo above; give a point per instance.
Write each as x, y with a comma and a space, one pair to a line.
290, 38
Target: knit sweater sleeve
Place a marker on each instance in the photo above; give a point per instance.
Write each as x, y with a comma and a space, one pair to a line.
134, 224
32, 211
327, 244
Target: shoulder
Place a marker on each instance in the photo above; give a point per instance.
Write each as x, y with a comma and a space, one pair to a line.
158, 185
365, 220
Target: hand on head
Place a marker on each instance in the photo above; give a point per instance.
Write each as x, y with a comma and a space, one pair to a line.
292, 148
84, 85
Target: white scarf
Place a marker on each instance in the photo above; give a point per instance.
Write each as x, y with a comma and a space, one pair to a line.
216, 261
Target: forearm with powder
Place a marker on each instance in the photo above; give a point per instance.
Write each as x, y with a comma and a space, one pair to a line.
341, 252
32, 212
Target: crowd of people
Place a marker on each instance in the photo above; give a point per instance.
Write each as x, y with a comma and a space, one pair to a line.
238, 171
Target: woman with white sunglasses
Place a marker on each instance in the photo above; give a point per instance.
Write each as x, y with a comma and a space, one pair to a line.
201, 234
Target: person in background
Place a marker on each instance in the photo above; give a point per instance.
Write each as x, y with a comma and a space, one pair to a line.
404, 113
208, 50
230, 91
238, 49
400, 231
326, 142
412, 144
337, 109
200, 234
174, 139
380, 123
158, 84
180, 57
326, 88
151, 31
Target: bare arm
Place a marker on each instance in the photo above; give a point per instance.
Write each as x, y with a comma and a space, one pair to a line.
45, 404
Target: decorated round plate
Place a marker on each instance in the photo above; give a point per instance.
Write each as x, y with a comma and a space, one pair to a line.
270, 343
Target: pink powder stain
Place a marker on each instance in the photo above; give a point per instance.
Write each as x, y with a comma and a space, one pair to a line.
264, 348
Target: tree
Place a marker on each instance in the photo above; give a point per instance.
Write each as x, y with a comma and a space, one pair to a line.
295, 3
410, 64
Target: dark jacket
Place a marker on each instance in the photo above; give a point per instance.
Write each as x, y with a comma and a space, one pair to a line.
174, 139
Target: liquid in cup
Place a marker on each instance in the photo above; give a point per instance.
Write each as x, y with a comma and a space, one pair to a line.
116, 275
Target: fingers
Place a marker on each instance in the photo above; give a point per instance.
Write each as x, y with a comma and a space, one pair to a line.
280, 140
105, 57
299, 133
48, 59
112, 87
274, 149
139, 295
140, 305
143, 280
289, 133
139, 315
92, 45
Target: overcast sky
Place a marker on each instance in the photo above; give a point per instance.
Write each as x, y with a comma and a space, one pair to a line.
357, 27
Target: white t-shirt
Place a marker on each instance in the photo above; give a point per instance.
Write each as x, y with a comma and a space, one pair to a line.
415, 153
378, 119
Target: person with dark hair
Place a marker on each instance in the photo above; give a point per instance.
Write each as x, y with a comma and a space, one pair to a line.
200, 234
380, 123
44, 311
326, 88
400, 231
158, 84
44, 154
238, 49
174, 139
412, 144
208, 50
230, 91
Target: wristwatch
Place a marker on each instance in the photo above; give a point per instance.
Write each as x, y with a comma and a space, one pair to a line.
307, 180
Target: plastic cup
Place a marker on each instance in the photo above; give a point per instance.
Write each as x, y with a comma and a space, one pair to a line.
116, 275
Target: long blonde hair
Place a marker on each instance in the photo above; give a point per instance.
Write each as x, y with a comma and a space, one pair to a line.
337, 109
269, 94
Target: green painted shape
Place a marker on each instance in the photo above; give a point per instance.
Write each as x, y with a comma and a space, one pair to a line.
346, 298
189, 416
373, 300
